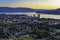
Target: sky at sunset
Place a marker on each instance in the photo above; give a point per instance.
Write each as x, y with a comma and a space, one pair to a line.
36, 4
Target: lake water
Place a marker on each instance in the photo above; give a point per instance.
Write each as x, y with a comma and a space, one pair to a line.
50, 16
33, 13
20, 13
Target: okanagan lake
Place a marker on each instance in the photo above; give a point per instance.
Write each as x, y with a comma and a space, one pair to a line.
42, 15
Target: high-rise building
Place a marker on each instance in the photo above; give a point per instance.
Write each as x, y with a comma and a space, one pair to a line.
34, 15
38, 15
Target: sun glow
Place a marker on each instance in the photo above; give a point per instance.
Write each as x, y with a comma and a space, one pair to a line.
36, 4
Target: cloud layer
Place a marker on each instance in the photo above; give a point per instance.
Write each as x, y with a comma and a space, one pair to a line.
42, 4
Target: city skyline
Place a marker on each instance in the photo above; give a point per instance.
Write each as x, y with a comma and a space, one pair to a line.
36, 4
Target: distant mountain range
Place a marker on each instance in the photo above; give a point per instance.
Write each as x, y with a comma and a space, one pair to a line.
21, 9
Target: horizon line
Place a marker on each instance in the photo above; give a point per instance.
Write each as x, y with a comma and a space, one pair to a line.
34, 8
